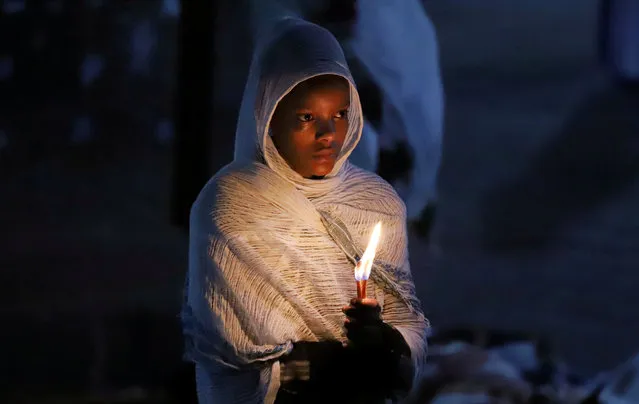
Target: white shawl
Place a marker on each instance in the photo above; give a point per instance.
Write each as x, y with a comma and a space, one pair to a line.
271, 253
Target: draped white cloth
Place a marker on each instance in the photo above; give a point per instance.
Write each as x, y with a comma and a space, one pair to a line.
265, 270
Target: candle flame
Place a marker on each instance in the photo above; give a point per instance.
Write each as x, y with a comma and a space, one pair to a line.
364, 265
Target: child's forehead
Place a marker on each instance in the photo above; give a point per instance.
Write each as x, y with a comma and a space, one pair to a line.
317, 88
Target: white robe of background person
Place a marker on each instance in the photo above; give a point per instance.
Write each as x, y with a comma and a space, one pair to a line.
396, 42
623, 37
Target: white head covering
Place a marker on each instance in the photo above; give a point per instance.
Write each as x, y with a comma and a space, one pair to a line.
298, 52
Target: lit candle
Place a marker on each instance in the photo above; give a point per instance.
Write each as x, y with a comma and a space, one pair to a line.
365, 263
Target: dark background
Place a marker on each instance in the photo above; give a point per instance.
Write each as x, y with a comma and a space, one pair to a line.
536, 230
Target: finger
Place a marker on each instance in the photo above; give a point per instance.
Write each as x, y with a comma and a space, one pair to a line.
363, 313
360, 329
350, 323
356, 331
349, 307
363, 318
369, 301
367, 304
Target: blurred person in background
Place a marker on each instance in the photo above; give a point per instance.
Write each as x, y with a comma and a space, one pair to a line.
619, 39
396, 44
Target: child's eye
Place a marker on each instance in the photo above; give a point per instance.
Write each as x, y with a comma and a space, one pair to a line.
342, 114
305, 117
